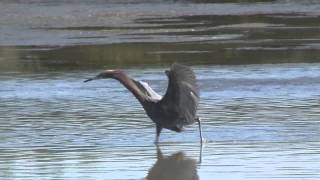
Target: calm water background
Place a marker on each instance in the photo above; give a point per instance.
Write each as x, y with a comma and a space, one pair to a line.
258, 66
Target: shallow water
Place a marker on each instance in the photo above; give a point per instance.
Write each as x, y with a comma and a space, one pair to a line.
259, 122
257, 63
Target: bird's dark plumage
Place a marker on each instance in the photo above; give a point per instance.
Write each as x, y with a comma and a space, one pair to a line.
176, 108
182, 93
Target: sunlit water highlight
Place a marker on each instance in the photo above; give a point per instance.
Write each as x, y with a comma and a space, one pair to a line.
259, 122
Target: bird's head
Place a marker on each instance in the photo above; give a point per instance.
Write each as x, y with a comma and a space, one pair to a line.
105, 75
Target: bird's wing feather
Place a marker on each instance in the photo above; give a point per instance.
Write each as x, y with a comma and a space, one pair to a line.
147, 90
182, 94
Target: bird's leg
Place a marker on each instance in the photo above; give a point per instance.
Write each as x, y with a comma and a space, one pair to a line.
158, 131
201, 139
200, 131
159, 153
200, 155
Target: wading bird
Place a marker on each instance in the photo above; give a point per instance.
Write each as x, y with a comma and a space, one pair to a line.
175, 109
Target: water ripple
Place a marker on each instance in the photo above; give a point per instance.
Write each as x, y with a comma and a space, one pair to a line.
258, 121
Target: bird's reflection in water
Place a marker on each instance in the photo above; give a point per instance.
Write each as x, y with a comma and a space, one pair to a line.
174, 167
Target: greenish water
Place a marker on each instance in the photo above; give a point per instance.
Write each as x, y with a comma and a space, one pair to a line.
257, 63
95, 35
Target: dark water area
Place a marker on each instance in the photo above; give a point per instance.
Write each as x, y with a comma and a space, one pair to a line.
53, 35
257, 63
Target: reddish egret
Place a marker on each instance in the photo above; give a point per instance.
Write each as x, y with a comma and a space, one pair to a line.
175, 109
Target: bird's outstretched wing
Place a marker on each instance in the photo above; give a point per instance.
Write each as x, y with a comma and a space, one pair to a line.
147, 90
182, 94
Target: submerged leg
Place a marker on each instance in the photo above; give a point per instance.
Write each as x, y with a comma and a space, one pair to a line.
158, 131
159, 153
200, 155
200, 131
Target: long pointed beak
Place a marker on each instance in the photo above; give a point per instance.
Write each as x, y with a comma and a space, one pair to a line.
90, 79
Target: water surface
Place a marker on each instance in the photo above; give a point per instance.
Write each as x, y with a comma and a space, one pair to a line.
258, 121
258, 68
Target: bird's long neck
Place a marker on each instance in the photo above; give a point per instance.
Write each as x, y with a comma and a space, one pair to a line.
131, 86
